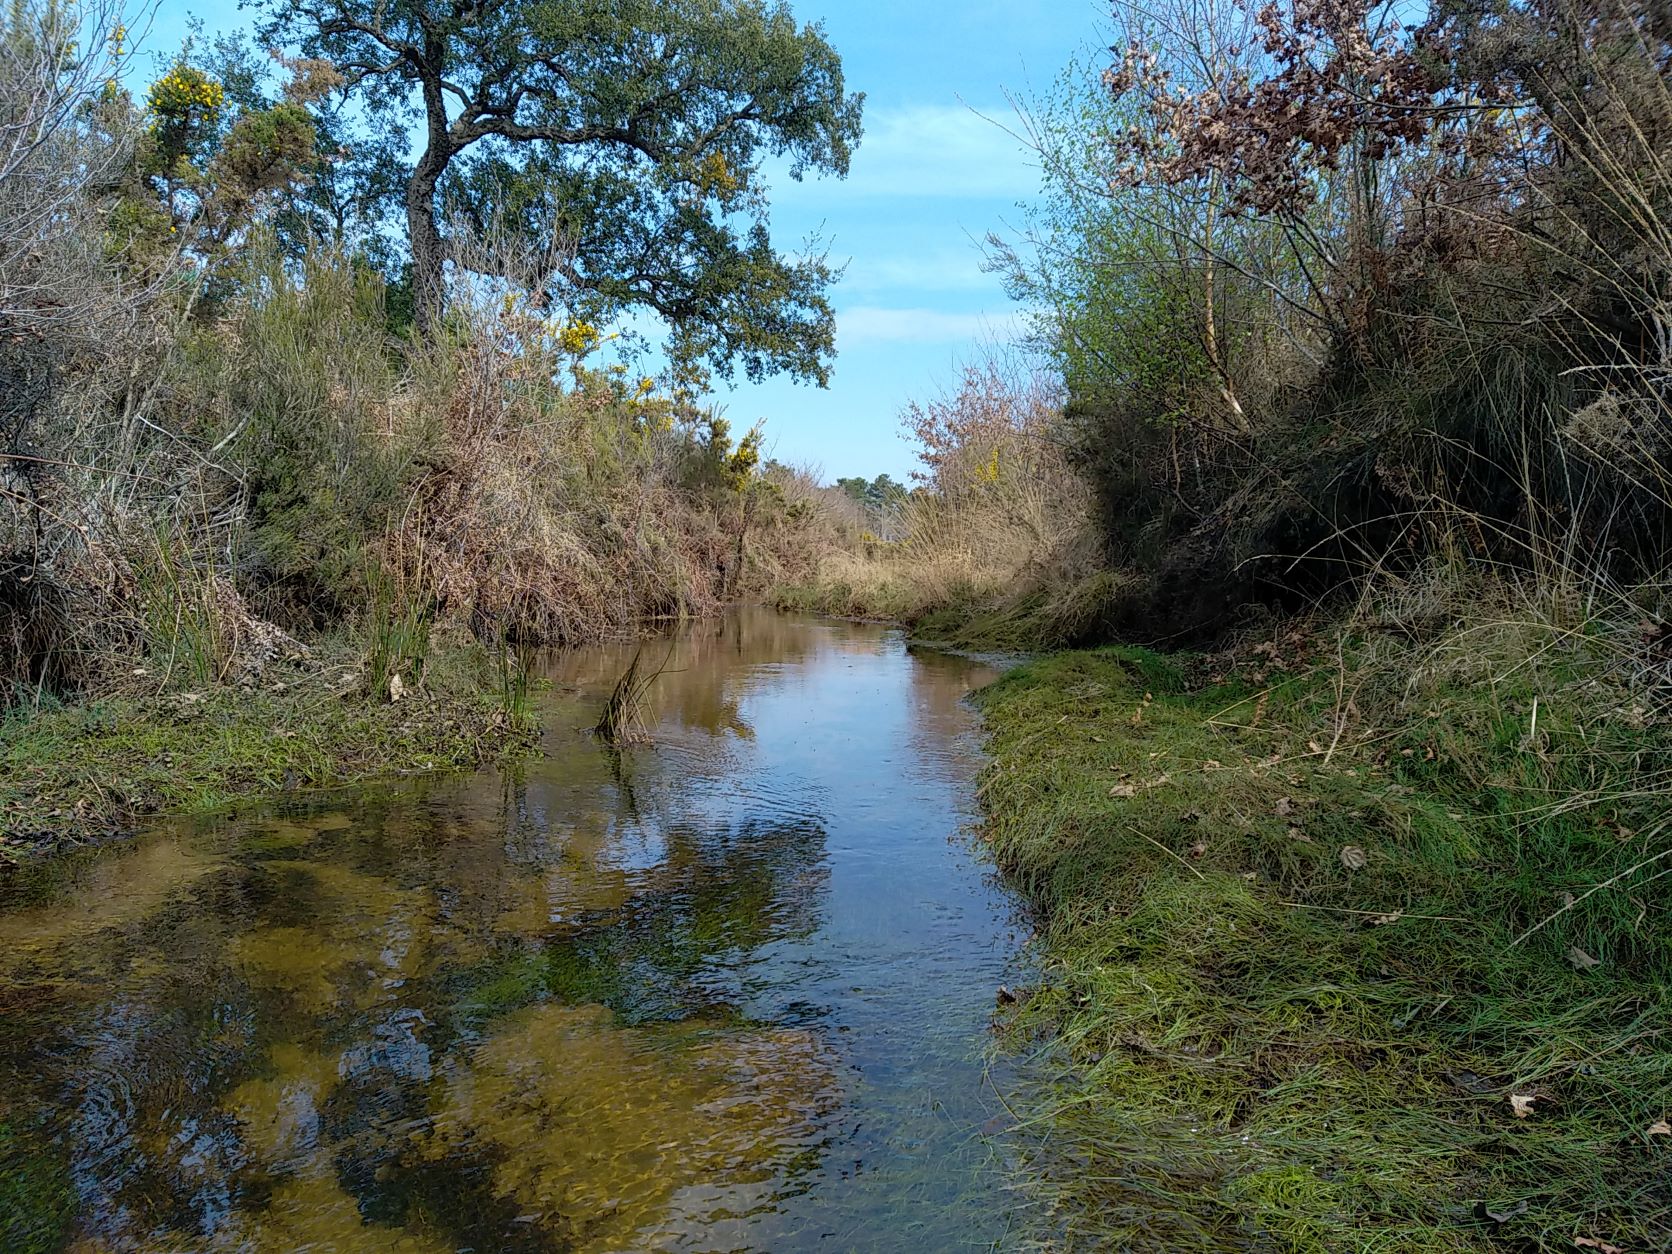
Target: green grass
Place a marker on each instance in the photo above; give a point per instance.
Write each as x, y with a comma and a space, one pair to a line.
71, 774
1282, 997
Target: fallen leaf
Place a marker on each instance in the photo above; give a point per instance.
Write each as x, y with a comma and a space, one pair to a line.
1123, 790
1522, 1104
1354, 858
1382, 920
1662, 1128
1285, 807
1198, 849
397, 689
1579, 960
1503, 1214
1592, 1243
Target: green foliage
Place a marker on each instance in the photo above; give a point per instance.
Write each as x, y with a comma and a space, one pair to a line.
206, 165
878, 494
576, 122
306, 372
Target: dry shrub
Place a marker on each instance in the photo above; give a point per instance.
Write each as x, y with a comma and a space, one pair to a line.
543, 511
997, 541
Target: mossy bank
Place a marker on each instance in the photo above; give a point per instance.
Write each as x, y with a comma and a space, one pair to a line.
77, 774
1349, 945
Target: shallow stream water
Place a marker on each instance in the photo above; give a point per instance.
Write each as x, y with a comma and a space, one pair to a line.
729, 991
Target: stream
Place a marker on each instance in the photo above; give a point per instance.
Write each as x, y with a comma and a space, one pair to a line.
731, 990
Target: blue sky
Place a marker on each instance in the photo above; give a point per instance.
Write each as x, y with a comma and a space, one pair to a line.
931, 178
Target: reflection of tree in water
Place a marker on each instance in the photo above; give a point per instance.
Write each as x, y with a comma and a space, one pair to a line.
680, 942
507, 1014
711, 666
261, 1062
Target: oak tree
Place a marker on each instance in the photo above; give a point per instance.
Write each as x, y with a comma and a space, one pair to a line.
634, 130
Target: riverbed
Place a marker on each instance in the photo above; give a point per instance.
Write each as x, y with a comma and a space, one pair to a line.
731, 989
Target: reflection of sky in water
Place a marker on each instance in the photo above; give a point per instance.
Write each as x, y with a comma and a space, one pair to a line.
727, 991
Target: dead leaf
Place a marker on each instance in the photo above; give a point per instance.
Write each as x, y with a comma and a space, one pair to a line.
1502, 1214
1198, 849
1579, 960
1285, 807
1522, 1104
1124, 790
1382, 920
1593, 1243
1663, 1128
1354, 858
397, 689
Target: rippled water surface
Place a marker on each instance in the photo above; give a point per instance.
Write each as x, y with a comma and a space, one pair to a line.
727, 992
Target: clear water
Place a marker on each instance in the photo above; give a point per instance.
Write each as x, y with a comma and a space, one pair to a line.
731, 991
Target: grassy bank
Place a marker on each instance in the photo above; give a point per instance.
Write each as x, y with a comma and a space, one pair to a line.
1355, 944
75, 774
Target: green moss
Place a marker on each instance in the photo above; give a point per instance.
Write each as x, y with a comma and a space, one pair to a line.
1280, 955
37, 1199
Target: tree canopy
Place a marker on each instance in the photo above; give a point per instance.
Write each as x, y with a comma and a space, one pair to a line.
632, 132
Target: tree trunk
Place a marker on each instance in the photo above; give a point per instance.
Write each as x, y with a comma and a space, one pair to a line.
428, 250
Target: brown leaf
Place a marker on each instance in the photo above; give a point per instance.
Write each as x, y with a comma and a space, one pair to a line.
1579, 960
1354, 858
1663, 1128
1124, 790
1594, 1243
1382, 920
1285, 808
1522, 1104
1199, 849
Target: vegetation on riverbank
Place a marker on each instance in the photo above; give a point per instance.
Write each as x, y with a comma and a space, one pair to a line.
1353, 922
1349, 942
243, 421
81, 773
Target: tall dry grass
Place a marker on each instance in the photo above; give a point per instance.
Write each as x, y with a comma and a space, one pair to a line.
996, 544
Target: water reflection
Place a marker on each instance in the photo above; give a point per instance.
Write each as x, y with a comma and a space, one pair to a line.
728, 992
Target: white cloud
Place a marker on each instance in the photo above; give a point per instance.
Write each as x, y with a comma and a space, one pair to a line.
944, 270
869, 324
932, 151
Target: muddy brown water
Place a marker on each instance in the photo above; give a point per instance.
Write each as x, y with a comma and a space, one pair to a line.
730, 991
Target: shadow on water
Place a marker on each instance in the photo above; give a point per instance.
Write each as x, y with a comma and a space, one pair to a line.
729, 991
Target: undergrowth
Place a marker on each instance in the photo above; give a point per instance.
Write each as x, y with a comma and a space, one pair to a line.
1355, 945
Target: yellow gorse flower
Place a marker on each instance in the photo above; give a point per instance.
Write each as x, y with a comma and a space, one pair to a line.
183, 90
